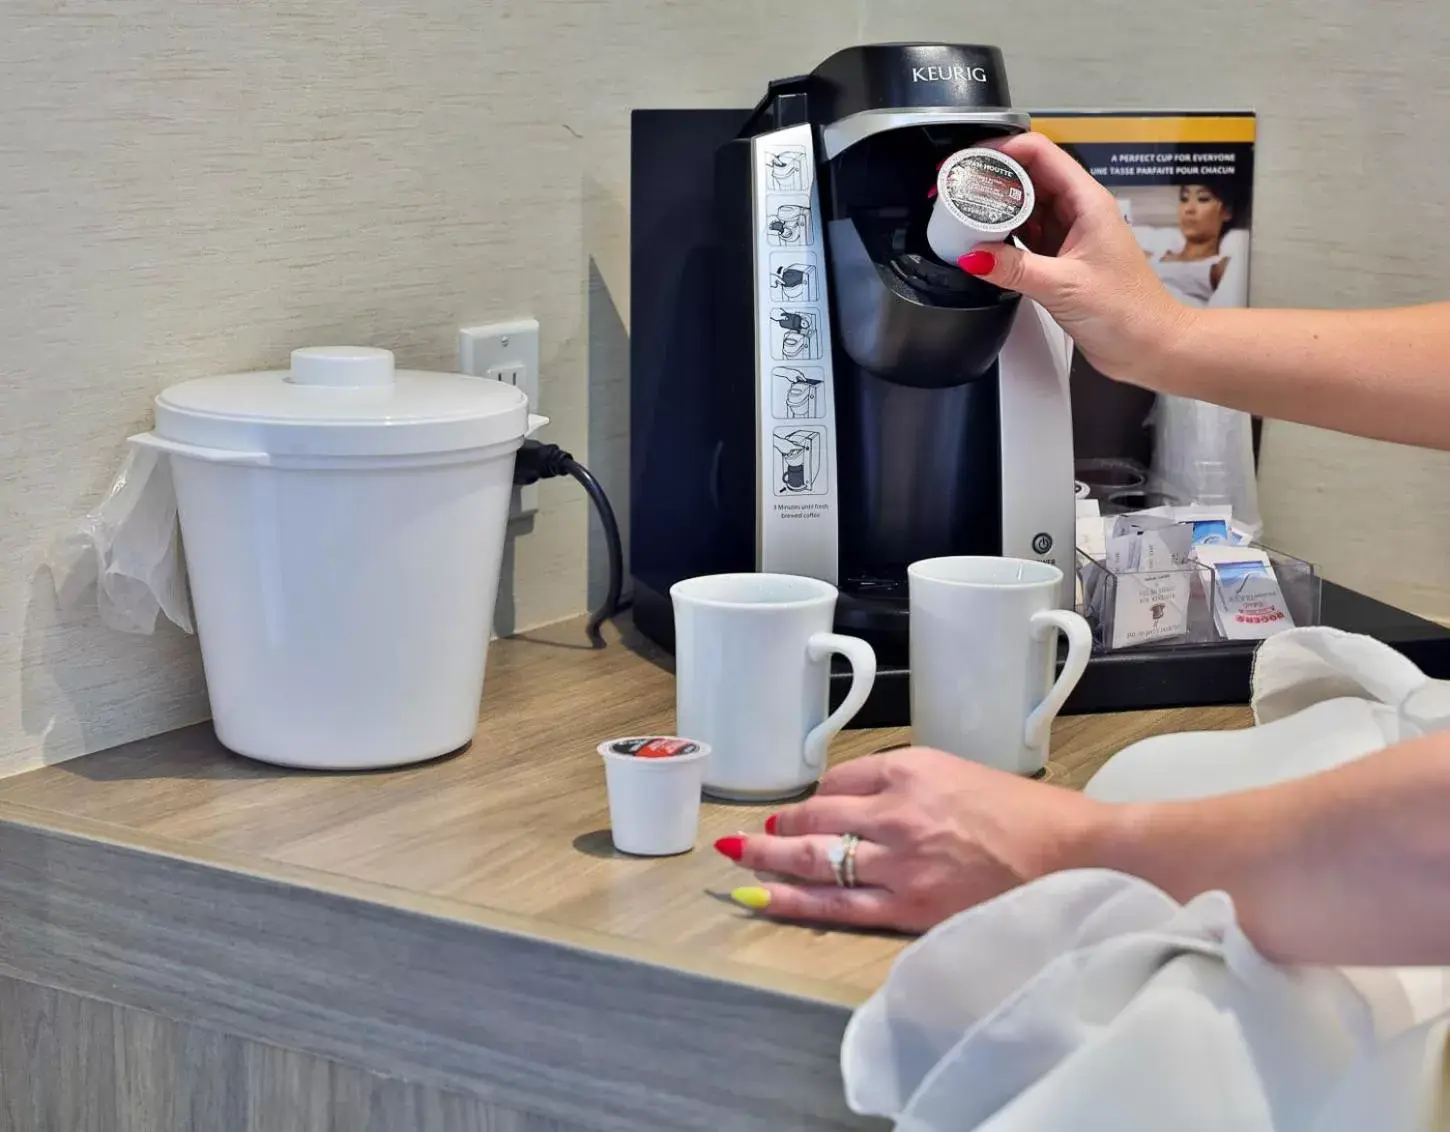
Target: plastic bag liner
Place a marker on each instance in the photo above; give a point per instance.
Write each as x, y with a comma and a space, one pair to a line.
127, 551
1204, 454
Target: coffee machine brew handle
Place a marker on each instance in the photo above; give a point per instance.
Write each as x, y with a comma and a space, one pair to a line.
863, 675
1079, 649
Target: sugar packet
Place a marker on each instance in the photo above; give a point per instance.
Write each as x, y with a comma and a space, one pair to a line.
1248, 602
1211, 525
1148, 558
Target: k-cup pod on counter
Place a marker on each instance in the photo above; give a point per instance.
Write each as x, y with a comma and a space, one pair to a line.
982, 197
654, 786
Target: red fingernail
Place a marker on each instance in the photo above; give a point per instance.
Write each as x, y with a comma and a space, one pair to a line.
770, 823
732, 847
977, 262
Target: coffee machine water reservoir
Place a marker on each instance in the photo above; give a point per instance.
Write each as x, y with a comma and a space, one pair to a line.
814, 391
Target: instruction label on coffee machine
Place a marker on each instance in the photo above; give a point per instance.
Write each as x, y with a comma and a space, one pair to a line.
795, 410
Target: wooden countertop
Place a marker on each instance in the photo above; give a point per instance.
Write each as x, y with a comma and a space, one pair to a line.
465, 923
518, 823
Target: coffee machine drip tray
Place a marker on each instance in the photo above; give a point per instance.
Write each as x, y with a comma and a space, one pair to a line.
875, 607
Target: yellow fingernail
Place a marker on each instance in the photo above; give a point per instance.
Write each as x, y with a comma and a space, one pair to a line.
752, 896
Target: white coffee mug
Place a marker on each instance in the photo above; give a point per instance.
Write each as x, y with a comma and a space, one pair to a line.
983, 648
752, 670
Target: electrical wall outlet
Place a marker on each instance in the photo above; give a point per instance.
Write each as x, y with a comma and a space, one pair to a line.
508, 352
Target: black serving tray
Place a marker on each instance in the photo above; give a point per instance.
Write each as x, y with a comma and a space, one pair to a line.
1208, 675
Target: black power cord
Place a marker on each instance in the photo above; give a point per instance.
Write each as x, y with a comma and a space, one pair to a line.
539, 461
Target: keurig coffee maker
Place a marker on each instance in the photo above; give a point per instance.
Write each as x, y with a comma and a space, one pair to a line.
813, 391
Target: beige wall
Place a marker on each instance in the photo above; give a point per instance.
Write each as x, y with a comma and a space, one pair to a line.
191, 187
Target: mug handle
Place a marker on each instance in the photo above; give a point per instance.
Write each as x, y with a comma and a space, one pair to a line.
1079, 649
863, 676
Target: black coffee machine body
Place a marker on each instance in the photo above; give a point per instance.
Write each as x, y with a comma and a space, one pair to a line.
812, 390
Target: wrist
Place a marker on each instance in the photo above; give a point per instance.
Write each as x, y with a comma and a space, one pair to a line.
1165, 352
1185, 847
1176, 846
1098, 837
1126, 838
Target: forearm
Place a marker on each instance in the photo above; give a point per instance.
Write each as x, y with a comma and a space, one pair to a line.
1348, 867
1384, 374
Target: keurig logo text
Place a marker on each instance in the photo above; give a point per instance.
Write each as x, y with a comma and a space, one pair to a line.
956, 73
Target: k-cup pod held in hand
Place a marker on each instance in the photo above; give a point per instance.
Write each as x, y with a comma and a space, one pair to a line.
982, 197
654, 793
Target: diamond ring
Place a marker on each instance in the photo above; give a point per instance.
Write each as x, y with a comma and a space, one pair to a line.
842, 857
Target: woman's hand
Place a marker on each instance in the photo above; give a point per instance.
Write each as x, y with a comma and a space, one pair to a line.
938, 834
1084, 267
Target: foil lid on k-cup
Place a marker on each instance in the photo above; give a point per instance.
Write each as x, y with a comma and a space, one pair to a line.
982, 196
651, 747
